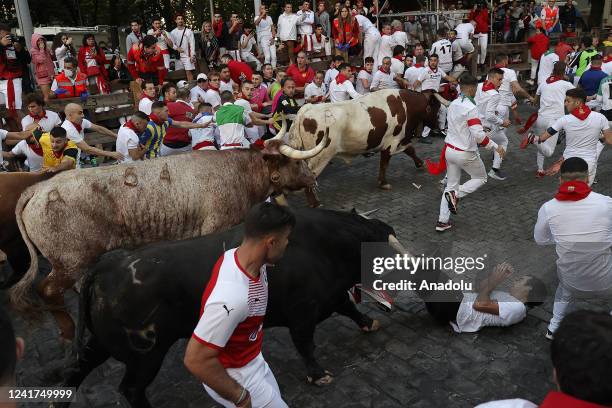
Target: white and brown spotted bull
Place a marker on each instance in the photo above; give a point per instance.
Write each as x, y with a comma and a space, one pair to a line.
77, 215
384, 121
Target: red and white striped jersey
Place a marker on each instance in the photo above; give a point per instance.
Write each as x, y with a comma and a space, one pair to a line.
233, 310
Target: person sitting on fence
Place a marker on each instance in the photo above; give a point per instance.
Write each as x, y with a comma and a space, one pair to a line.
70, 83
145, 61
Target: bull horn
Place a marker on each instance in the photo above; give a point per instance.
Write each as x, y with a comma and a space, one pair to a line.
304, 154
395, 244
281, 133
367, 213
441, 100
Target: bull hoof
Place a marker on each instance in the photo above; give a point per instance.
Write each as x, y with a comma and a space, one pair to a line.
373, 327
327, 379
384, 186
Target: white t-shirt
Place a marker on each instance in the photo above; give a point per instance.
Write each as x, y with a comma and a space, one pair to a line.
313, 90
47, 123
250, 44
305, 22
287, 27
234, 307
582, 136
187, 44
444, 49
397, 67
226, 86
33, 160
161, 40
365, 24
399, 38
552, 98
386, 48
487, 102
213, 98
431, 79
382, 80
76, 136
582, 232
464, 126
509, 403
464, 30
607, 67
457, 51
126, 139
203, 135
330, 75
363, 74
547, 63
145, 105
195, 92
505, 90
470, 320
264, 28
412, 74
342, 92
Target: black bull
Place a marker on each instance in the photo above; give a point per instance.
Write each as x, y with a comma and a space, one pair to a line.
137, 304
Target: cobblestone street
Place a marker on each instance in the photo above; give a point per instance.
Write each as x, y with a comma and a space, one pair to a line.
411, 361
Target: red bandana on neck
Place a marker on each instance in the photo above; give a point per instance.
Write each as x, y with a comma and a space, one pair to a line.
318, 37
77, 127
500, 65
212, 88
553, 78
582, 112
36, 148
156, 119
607, 59
340, 79
418, 65
399, 58
433, 70
43, 115
383, 71
487, 86
573, 191
130, 125
145, 96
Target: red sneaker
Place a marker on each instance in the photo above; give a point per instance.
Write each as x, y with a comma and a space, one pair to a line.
527, 140
540, 174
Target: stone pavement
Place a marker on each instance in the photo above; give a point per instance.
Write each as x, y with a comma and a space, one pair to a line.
411, 361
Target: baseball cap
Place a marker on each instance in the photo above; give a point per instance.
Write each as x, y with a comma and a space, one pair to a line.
202, 76
181, 84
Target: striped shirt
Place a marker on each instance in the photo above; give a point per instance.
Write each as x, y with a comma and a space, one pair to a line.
153, 137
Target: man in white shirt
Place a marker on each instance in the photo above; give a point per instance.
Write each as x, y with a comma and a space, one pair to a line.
287, 30
316, 91
331, 73
264, 28
488, 100
397, 62
197, 94
305, 25
341, 88
387, 42
465, 134
399, 35
383, 79
371, 36
465, 32
213, 96
247, 43
412, 74
365, 77
148, 96
583, 132
551, 97
547, 63
75, 125
184, 42
443, 49
12, 137
258, 121
38, 116
579, 222
164, 42
128, 138
226, 83
204, 138
221, 354
459, 60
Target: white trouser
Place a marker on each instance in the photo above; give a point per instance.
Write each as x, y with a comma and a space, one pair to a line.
565, 302
441, 121
249, 57
169, 151
547, 147
4, 92
499, 137
269, 50
259, 380
252, 133
187, 63
534, 68
371, 42
483, 40
455, 162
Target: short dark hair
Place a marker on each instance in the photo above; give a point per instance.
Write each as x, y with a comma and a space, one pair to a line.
338, 58
58, 131
228, 56
167, 87
442, 32
156, 18
500, 57
34, 97
538, 292
577, 93
144, 83
148, 41
344, 65
434, 56
204, 105
247, 82
135, 20
559, 68
8, 344
398, 49
581, 353
267, 218
318, 26
587, 41
141, 115
368, 60
419, 58
596, 59
71, 60
496, 71
222, 67
285, 80
468, 80
227, 96
574, 165
157, 105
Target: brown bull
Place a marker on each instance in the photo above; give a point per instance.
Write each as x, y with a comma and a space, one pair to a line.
80, 214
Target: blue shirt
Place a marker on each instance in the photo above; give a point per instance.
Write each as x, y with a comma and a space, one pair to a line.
590, 80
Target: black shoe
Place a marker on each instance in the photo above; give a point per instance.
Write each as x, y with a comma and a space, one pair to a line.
425, 140
451, 198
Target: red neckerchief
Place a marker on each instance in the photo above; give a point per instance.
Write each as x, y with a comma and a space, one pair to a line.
156, 119
582, 112
487, 86
36, 148
595, 68
556, 399
500, 65
551, 79
573, 191
418, 65
43, 115
145, 96
212, 88
318, 37
130, 125
607, 59
383, 71
340, 79
58, 154
78, 128
436, 70
399, 58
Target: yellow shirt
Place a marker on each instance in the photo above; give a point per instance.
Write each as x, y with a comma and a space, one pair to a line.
607, 43
51, 158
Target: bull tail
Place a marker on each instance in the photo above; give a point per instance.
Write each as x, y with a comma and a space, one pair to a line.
20, 293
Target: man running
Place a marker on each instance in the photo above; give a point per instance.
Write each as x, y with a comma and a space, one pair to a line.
224, 352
